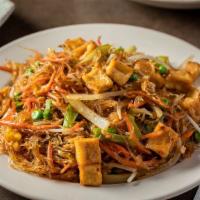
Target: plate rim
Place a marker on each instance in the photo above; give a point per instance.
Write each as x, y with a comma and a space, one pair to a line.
29, 36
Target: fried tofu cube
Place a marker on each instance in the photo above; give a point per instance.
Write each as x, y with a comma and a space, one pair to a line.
97, 81
144, 67
193, 69
74, 43
157, 79
90, 175
179, 80
164, 143
87, 151
191, 103
88, 156
119, 72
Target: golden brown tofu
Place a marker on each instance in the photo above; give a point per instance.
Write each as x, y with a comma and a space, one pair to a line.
144, 67
119, 72
90, 175
89, 48
97, 81
79, 51
191, 103
164, 143
88, 156
193, 69
179, 80
157, 79
87, 151
74, 43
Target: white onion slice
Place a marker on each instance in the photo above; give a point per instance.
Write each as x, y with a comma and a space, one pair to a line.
196, 126
90, 97
131, 177
89, 114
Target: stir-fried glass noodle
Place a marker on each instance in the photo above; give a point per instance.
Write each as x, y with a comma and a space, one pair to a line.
93, 113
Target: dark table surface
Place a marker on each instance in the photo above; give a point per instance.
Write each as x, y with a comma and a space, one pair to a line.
34, 15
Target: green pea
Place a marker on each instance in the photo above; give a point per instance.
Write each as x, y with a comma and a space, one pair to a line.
29, 71
166, 101
17, 96
47, 114
18, 105
162, 69
96, 131
197, 136
37, 114
134, 77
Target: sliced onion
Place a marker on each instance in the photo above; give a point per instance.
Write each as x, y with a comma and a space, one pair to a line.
158, 111
119, 111
142, 111
131, 177
89, 114
90, 97
196, 126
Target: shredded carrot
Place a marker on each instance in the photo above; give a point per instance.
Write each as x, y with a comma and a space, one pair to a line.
6, 69
65, 168
116, 156
119, 149
187, 134
78, 125
133, 136
50, 157
48, 86
149, 98
18, 125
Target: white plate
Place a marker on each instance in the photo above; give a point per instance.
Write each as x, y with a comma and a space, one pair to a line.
172, 182
6, 9
175, 4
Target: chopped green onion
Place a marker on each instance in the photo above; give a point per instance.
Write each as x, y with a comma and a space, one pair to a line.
166, 101
131, 49
48, 104
97, 132
164, 59
29, 71
135, 126
134, 77
18, 105
37, 114
17, 96
47, 114
112, 130
70, 117
118, 50
197, 136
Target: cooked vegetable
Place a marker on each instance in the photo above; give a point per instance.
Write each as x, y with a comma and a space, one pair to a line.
89, 114
70, 117
134, 77
37, 114
88, 156
94, 113
197, 136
